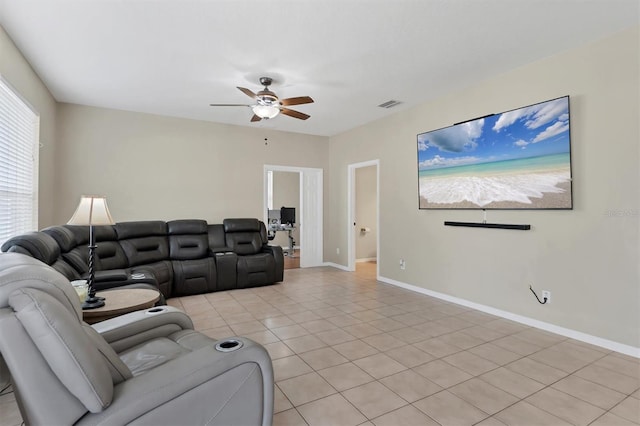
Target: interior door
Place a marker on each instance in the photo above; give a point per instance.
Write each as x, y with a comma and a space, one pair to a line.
310, 221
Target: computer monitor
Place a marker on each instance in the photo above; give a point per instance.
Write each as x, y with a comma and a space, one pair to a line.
274, 217
288, 215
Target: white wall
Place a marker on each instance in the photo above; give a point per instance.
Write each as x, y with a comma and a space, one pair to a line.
15, 69
586, 257
154, 167
366, 214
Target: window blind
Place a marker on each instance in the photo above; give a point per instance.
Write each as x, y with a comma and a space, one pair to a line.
19, 143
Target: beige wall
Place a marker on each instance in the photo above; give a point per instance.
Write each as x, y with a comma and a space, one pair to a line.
286, 193
153, 167
586, 257
16, 70
167, 168
366, 214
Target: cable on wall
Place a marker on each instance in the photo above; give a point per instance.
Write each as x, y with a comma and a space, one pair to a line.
539, 301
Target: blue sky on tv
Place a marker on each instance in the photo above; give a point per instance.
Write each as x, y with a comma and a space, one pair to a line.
533, 131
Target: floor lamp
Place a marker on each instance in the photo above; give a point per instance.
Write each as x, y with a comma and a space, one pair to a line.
92, 211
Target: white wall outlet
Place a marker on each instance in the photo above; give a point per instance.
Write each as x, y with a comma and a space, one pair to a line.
337, 250
402, 264
546, 294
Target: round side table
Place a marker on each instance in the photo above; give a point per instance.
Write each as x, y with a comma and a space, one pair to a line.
119, 302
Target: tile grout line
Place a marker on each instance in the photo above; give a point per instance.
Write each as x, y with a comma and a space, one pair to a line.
461, 350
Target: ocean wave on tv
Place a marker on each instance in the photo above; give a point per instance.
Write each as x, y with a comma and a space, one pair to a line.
483, 190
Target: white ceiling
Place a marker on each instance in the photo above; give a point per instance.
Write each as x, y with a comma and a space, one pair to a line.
175, 57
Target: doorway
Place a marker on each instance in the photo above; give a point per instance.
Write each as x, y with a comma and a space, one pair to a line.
309, 212
363, 213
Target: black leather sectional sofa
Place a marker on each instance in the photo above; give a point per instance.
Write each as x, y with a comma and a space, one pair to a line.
179, 257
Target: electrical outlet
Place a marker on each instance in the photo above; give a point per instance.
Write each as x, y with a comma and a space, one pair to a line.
402, 264
337, 250
546, 294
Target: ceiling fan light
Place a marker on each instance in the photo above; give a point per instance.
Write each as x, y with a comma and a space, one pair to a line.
267, 97
266, 111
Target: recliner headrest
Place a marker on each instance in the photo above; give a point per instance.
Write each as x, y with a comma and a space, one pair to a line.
105, 233
80, 234
146, 228
241, 225
19, 270
63, 236
38, 244
187, 226
100, 233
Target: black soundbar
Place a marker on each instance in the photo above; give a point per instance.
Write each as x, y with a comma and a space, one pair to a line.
489, 225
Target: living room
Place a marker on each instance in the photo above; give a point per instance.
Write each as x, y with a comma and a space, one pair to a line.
152, 166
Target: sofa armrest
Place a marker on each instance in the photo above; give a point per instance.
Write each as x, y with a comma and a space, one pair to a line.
226, 387
126, 331
276, 251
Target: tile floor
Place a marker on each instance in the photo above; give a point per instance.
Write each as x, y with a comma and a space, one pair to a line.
348, 350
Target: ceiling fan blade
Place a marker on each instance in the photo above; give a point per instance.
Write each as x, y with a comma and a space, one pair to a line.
294, 114
255, 118
296, 101
247, 92
244, 105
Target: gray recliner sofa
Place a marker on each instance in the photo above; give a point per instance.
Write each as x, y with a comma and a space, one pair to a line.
146, 367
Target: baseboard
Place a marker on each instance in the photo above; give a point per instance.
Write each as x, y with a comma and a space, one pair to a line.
577, 335
337, 266
367, 259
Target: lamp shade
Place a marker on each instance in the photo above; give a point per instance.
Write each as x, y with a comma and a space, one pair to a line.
92, 210
265, 111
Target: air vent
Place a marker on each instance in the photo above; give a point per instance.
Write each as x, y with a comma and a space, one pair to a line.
389, 104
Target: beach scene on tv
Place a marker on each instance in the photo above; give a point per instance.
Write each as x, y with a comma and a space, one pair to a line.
518, 159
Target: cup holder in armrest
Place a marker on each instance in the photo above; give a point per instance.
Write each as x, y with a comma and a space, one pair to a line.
229, 345
156, 310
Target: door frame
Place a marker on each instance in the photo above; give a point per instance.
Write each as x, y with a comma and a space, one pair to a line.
351, 212
310, 216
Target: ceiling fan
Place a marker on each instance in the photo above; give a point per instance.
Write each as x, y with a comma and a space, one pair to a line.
268, 105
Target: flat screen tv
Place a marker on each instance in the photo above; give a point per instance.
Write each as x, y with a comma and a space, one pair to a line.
518, 159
